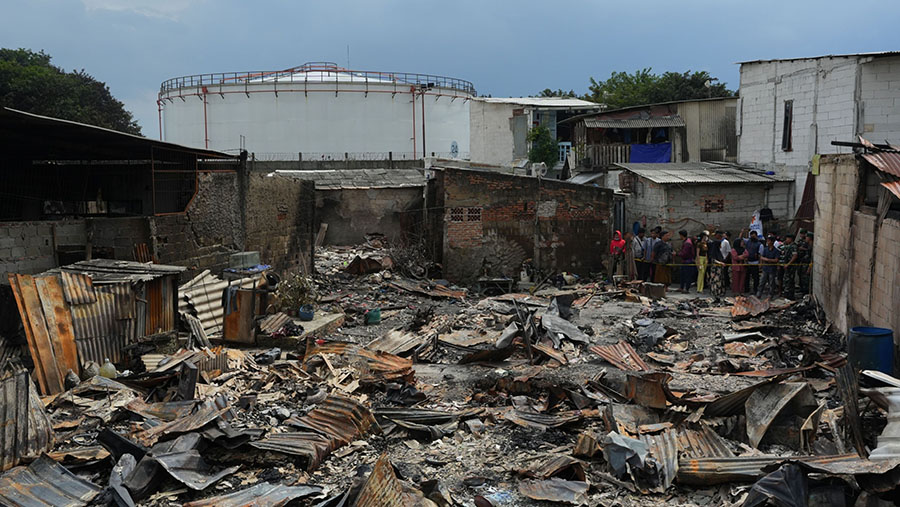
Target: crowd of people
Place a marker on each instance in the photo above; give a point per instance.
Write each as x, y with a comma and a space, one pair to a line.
748, 264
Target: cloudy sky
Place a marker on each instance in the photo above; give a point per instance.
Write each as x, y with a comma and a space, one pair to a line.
506, 48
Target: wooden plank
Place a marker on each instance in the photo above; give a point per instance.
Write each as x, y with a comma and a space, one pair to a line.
59, 323
41, 337
29, 336
320, 237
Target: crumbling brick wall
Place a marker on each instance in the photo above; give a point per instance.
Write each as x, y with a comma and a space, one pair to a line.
492, 222
353, 213
844, 253
280, 219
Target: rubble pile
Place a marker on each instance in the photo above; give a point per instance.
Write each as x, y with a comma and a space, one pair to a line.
431, 394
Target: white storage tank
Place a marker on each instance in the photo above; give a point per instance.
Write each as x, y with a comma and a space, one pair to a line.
320, 110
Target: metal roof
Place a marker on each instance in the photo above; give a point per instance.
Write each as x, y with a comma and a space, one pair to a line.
884, 161
699, 173
344, 179
550, 102
585, 178
39, 137
114, 271
847, 55
635, 123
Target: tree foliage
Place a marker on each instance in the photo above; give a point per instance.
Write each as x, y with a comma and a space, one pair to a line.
644, 87
543, 146
547, 92
29, 82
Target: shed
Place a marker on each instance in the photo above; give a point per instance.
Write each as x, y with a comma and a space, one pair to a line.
701, 195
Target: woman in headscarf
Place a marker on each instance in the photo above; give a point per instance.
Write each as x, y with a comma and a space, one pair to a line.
702, 254
617, 253
739, 256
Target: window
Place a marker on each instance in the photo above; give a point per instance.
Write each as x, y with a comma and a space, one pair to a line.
871, 190
457, 214
473, 215
788, 122
713, 205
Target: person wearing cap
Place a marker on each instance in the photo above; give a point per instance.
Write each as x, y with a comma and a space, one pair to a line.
702, 247
768, 265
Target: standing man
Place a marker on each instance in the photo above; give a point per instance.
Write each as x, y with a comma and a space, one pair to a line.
754, 248
662, 257
769, 258
804, 261
686, 255
788, 259
637, 250
725, 247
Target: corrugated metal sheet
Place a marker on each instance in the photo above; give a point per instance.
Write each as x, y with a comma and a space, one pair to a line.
885, 161
113, 271
709, 471
621, 355
25, 430
893, 186
381, 365
636, 123
382, 488
698, 172
202, 298
333, 424
274, 322
45, 483
264, 494
102, 328
78, 288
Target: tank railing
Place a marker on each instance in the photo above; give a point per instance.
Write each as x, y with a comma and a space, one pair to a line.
299, 75
360, 155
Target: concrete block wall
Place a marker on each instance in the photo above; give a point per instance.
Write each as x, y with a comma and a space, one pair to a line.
280, 219
28, 247
646, 204
489, 224
844, 252
118, 236
353, 213
491, 132
880, 100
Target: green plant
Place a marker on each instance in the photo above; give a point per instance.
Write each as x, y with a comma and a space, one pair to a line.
543, 146
294, 291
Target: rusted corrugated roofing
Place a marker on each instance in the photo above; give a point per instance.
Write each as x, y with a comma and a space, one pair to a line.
888, 162
634, 123
333, 424
749, 306
205, 414
115, 271
104, 327
708, 471
78, 288
893, 186
45, 483
26, 430
382, 488
621, 355
274, 322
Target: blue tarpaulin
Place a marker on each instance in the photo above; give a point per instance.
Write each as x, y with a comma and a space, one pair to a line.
651, 153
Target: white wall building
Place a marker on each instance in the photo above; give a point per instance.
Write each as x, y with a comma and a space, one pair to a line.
320, 110
791, 109
499, 125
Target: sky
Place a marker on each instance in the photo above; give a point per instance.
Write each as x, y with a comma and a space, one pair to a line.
506, 48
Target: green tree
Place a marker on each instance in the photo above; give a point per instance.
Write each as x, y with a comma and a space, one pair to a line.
644, 87
547, 92
29, 82
543, 146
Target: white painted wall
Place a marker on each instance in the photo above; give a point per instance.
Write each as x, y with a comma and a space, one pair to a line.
824, 94
880, 100
317, 119
491, 130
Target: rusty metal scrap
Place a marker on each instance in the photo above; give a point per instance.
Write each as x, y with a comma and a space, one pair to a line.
555, 490
765, 405
264, 494
649, 390
750, 306
439, 291
887, 162
78, 288
381, 366
707, 471
45, 483
384, 489
25, 430
205, 414
190, 469
848, 388
272, 323
541, 421
334, 423
621, 355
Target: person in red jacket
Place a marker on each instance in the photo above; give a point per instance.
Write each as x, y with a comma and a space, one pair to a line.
616, 252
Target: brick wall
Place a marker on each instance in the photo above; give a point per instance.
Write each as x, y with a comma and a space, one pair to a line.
280, 220
844, 253
353, 213
488, 224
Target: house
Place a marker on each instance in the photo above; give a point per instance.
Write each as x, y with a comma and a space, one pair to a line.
791, 109
856, 269
498, 127
683, 131
484, 223
702, 195
74, 191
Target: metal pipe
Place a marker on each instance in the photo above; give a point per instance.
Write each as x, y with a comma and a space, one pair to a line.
412, 90
159, 110
424, 152
205, 125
